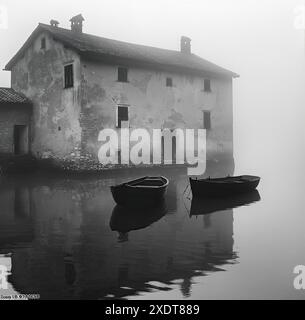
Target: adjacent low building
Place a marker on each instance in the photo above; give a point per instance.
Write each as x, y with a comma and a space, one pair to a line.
15, 123
80, 84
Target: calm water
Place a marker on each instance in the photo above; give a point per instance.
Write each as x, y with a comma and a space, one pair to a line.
64, 238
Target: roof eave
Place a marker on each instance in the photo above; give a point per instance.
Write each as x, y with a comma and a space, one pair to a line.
110, 59
28, 104
105, 57
25, 46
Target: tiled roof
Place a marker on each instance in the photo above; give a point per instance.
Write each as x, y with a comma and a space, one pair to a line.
8, 95
103, 48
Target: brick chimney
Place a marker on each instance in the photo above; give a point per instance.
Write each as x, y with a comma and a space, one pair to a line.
54, 23
77, 23
185, 45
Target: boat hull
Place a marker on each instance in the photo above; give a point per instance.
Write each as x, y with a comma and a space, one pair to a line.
223, 187
133, 196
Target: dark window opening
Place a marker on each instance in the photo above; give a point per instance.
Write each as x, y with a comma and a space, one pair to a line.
207, 85
207, 120
69, 78
59, 128
43, 43
123, 115
169, 82
122, 74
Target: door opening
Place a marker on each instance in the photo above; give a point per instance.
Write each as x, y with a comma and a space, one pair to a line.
21, 139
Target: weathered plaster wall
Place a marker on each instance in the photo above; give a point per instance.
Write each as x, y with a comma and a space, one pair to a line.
66, 122
56, 131
11, 115
153, 105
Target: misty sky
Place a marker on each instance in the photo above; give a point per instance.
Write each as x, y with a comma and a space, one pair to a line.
254, 38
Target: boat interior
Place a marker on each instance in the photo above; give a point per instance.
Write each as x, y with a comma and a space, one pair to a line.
148, 182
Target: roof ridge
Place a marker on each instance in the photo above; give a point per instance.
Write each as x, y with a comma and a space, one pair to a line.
97, 47
105, 38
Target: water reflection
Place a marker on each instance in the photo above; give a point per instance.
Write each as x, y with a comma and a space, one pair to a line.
205, 206
70, 271
62, 247
16, 217
124, 220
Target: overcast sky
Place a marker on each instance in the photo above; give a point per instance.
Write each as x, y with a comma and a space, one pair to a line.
255, 38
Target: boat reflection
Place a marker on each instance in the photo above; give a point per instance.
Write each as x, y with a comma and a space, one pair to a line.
124, 220
204, 206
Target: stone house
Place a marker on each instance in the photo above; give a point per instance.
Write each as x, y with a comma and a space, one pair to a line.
80, 84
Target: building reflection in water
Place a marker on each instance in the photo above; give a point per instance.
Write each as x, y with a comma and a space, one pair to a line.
16, 220
57, 231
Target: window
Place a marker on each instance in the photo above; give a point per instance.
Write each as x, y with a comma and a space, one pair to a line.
169, 82
122, 74
207, 85
69, 79
206, 120
122, 115
43, 43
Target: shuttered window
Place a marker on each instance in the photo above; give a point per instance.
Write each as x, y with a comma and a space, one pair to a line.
122, 74
69, 77
169, 82
207, 85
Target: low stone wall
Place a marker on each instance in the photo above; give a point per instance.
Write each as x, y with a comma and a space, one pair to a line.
24, 164
17, 164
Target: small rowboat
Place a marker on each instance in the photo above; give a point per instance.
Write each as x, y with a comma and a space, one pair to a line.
144, 192
223, 186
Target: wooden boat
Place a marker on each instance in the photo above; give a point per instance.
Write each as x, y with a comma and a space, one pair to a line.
144, 192
209, 205
223, 186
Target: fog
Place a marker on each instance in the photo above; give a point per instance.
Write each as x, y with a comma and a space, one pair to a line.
256, 39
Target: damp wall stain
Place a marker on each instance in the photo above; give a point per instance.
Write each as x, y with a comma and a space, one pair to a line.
152, 105
39, 74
